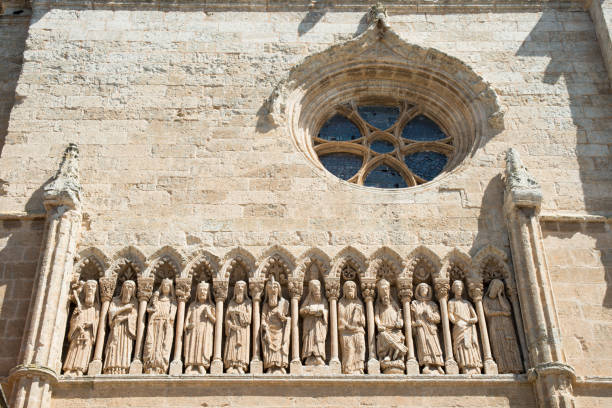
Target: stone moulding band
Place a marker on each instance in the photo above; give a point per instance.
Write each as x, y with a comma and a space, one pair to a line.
32, 370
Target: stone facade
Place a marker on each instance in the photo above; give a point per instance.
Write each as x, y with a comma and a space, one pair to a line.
193, 124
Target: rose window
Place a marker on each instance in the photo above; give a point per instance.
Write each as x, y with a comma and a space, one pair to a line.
380, 146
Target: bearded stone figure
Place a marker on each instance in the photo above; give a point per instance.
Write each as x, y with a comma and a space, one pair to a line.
462, 315
498, 312
314, 313
390, 340
425, 320
83, 328
160, 331
351, 324
238, 330
122, 320
199, 326
275, 330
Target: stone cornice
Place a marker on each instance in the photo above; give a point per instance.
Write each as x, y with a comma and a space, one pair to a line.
393, 7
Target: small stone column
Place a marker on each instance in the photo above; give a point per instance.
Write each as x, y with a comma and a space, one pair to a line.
368, 289
220, 291
475, 289
107, 288
256, 287
32, 381
442, 287
183, 291
295, 291
552, 377
145, 290
332, 291
516, 312
405, 293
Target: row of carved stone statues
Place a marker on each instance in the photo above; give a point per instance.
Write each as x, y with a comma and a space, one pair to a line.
384, 331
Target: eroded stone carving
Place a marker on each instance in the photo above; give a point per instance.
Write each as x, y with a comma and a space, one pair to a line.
351, 326
390, 340
83, 327
65, 188
275, 329
314, 313
426, 317
199, 326
498, 312
238, 330
462, 315
160, 331
122, 320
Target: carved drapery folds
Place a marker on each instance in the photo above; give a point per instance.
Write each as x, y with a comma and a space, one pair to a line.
173, 314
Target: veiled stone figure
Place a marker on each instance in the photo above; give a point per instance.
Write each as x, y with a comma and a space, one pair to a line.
275, 329
238, 330
498, 312
160, 331
122, 320
390, 340
314, 313
462, 315
83, 328
199, 326
425, 318
351, 324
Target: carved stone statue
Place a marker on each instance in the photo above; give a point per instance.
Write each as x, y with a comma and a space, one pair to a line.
351, 327
83, 328
390, 340
425, 320
238, 330
199, 325
122, 320
462, 315
498, 312
160, 331
314, 313
275, 330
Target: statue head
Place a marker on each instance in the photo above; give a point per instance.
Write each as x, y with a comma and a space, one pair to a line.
496, 287
350, 290
458, 288
273, 289
423, 292
314, 289
239, 291
165, 287
202, 291
127, 291
90, 288
384, 291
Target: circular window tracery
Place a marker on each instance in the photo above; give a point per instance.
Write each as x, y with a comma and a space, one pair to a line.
384, 146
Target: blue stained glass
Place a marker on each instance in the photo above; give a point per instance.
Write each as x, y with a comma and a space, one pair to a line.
384, 177
381, 117
426, 165
339, 129
423, 129
342, 165
382, 146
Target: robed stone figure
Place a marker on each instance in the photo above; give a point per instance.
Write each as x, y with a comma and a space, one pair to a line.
122, 319
199, 327
83, 327
498, 312
351, 327
390, 340
160, 331
275, 329
238, 330
314, 313
462, 315
425, 320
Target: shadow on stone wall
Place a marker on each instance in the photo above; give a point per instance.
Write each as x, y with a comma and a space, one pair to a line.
575, 59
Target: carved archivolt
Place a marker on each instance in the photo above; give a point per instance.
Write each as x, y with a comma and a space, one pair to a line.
280, 313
